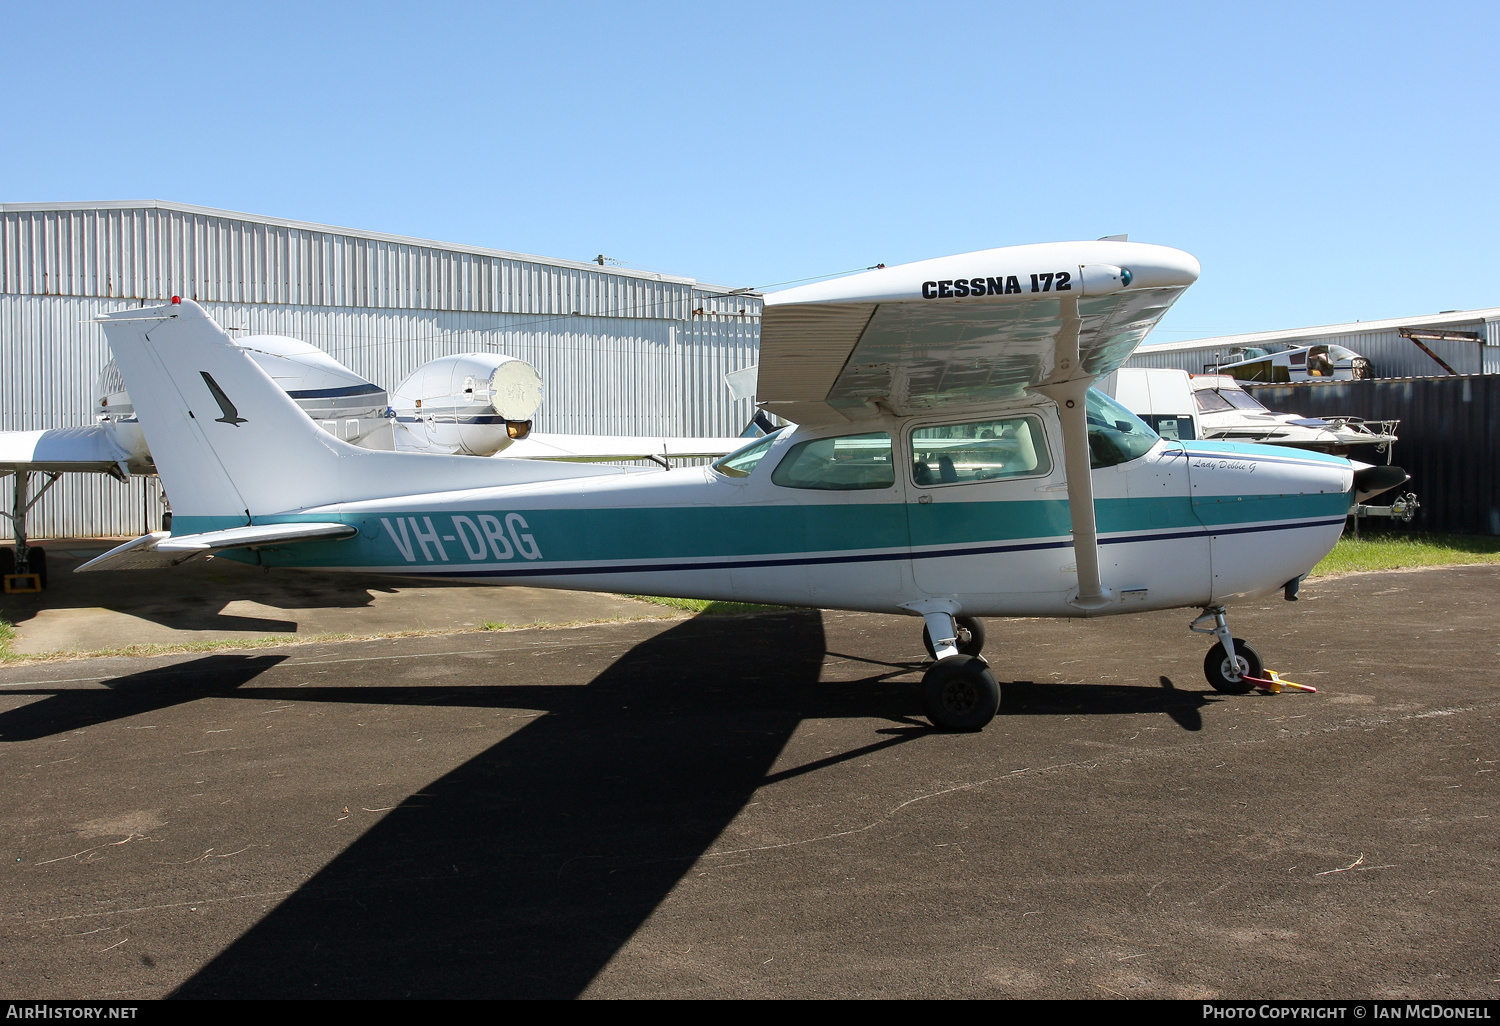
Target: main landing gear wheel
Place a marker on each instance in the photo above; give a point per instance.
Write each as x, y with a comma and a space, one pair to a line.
960, 693
970, 636
1216, 668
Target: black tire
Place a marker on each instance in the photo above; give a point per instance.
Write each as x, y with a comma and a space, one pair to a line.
970, 636
1216, 667
36, 563
7, 560
959, 693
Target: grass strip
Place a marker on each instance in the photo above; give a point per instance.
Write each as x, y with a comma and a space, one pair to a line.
1392, 551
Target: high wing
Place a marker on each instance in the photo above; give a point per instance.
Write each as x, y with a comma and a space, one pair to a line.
968, 330
973, 331
60, 450
606, 448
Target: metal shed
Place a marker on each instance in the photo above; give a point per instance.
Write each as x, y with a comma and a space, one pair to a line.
620, 351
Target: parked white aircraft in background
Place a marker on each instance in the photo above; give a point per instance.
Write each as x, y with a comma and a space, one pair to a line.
471, 404
1295, 363
949, 461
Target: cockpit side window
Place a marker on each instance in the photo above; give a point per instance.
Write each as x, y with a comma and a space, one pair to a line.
842, 464
979, 451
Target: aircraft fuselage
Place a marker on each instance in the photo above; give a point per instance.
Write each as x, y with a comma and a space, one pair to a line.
1185, 524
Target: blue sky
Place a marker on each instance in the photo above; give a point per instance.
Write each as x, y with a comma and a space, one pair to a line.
1325, 162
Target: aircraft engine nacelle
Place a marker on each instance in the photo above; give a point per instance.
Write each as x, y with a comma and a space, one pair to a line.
474, 404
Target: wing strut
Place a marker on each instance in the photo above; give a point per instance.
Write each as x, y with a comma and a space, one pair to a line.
1068, 387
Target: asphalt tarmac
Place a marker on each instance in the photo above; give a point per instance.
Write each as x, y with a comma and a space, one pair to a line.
221, 600
754, 807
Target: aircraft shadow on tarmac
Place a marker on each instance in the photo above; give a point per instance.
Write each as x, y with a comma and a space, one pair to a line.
522, 872
215, 676
1027, 698
197, 593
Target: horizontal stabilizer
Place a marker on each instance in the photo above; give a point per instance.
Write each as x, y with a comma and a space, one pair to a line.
152, 551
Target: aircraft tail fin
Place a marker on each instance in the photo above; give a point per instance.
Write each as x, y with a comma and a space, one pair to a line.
205, 407
229, 444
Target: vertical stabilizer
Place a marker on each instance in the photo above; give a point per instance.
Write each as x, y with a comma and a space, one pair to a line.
203, 403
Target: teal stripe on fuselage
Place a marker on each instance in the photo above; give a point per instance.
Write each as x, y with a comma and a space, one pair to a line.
705, 533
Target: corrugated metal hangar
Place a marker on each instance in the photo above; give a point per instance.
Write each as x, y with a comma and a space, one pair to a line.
620, 351
1468, 341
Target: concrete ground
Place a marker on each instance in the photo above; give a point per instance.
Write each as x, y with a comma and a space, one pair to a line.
218, 599
754, 807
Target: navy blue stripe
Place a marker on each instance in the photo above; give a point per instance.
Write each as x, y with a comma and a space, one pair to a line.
881, 557
336, 393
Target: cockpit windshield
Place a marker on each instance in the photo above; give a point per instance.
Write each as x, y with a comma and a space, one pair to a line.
740, 462
1115, 434
1241, 400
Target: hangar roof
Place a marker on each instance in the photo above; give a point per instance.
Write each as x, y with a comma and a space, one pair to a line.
357, 233
1448, 320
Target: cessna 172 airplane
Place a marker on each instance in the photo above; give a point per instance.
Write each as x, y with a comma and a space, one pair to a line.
948, 461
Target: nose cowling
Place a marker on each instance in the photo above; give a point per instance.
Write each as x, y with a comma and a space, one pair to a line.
1272, 513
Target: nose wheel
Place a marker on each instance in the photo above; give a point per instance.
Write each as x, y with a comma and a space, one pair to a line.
1232, 660
969, 636
1231, 679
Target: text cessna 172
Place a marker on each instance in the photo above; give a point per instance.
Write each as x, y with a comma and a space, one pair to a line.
948, 461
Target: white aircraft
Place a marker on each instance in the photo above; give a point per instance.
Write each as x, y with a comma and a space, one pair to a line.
471, 404
940, 466
1296, 363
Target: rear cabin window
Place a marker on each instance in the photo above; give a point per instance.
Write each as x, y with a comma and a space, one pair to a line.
982, 451
846, 463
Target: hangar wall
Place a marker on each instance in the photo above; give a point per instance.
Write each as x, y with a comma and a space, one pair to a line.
620, 351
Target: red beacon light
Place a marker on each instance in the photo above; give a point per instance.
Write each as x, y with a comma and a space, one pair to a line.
176, 300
